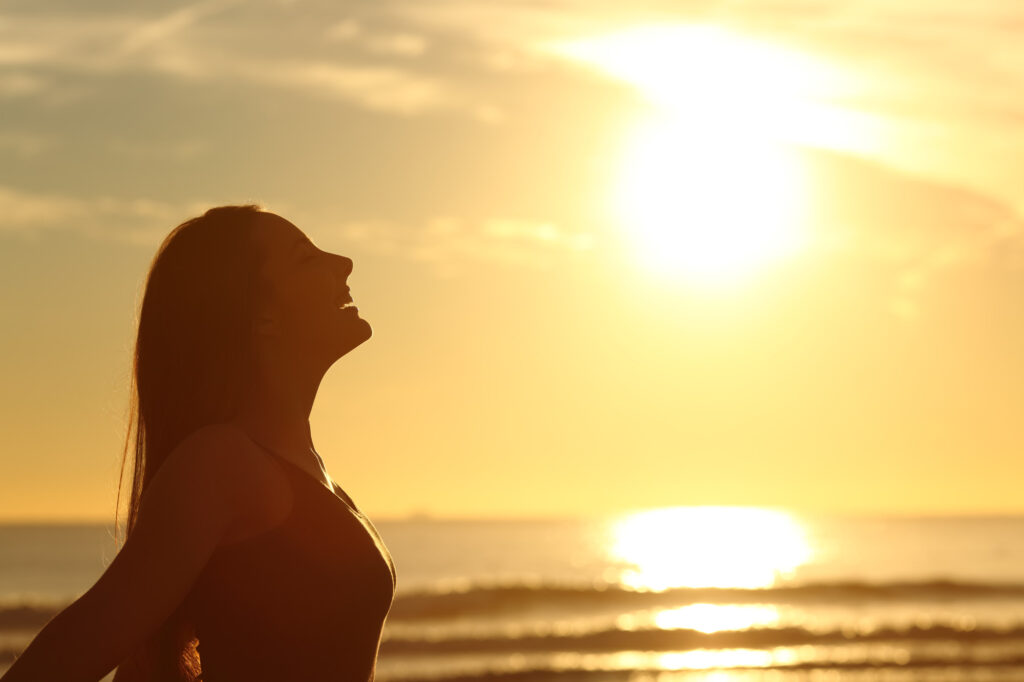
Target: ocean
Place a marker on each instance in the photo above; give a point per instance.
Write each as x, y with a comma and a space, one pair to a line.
688, 593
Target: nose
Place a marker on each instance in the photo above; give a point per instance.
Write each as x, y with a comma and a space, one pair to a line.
346, 265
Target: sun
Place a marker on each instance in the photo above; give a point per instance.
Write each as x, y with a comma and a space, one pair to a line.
709, 208
710, 189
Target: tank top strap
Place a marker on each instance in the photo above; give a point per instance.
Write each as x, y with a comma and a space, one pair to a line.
299, 470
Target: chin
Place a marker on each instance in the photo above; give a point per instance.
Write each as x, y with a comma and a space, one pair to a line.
359, 333
368, 330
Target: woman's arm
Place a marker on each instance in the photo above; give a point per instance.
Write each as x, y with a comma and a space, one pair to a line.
187, 508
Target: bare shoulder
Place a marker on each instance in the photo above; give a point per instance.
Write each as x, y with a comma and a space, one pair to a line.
252, 489
210, 490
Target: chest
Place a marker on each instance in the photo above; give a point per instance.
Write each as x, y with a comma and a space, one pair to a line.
325, 558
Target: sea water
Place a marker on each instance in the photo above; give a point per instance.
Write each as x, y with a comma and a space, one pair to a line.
687, 593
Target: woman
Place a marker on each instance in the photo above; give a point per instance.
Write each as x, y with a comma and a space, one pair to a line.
242, 560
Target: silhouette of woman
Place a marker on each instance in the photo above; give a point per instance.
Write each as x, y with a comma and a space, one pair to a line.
242, 560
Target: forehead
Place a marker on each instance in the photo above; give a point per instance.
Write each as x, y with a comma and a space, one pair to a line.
275, 236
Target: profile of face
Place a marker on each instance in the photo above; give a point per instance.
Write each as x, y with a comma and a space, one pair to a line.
301, 311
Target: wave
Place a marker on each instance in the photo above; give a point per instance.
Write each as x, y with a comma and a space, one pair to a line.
653, 639
27, 616
1008, 668
502, 650
959, 646
498, 599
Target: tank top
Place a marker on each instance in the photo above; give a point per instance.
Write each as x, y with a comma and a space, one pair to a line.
305, 600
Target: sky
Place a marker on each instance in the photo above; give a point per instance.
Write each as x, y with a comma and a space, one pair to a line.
615, 256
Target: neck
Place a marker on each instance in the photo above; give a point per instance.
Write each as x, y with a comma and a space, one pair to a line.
275, 408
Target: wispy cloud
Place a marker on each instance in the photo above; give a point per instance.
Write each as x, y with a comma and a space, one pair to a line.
23, 144
997, 237
379, 88
148, 33
344, 31
444, 244
917, 228
447, 243
519, 24
18, 49
196, 43
19, 84
397, 43
408, 59
138, 221
158, 150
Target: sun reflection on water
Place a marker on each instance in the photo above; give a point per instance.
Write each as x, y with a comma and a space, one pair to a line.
744, 547
702, 659
717, 617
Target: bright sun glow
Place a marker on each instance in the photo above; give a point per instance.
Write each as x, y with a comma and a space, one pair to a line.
710, 189
706, 207
708, 547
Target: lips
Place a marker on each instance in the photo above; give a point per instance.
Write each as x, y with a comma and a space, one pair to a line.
346, 303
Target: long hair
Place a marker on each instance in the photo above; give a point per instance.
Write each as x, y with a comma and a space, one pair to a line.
193, 356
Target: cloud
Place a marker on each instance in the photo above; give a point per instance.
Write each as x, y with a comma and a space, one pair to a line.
155, 150
24, 145
408, 59
399, 44
917, 228
531, 232
930, 61
17, 84
898, 216
379, 88
516, 24
160, 30
195, 44
137, 221
998, 237
443, 244
14, 52
344, 30
25, 211
447, 243
906, 232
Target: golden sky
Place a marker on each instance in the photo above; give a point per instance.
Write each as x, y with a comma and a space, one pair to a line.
723, 254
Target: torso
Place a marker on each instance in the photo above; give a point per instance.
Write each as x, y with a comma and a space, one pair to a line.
300, 572
271, 500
